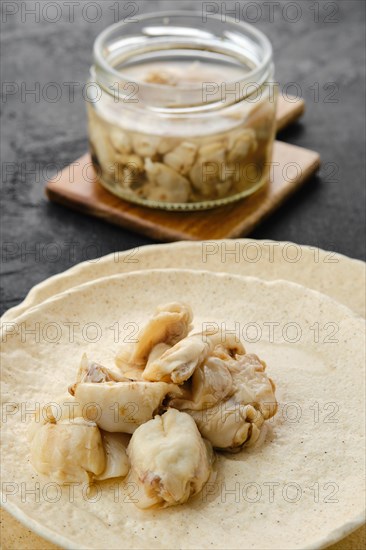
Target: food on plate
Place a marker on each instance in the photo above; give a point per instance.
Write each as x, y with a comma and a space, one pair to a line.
210, 384
170, 323
229, 400
293, 451
170, 462
252, 385
179, 394
179, 362
117, 463
118, 404
70, 451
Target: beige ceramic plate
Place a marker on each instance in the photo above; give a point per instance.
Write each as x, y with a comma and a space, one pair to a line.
312, 457
338, 276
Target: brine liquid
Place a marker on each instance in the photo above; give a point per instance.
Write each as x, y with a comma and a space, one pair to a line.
186, 161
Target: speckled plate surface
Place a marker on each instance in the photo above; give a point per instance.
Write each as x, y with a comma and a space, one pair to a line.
338, 276
313, 454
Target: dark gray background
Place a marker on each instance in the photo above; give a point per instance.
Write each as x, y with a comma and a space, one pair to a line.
36, 235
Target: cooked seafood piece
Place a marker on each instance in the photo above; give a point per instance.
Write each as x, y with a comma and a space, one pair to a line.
210, 384
168, 144
252, 385
242, 145
120, 140
170, 323
174, 193
117, 404
67, 451
156, 353
168, 78
229, 425
229, 398
181, 159
226, 346
132, 372
207, 170
117, 462
165, 183
100, 144
133, 163
90, 371
179, 362
122, 406
64, 407
76, 450
145, 145
169, 460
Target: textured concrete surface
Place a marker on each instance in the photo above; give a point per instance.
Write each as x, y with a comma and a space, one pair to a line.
321, 51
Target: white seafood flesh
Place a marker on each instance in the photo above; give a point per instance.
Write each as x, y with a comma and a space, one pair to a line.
144, 145
68, 451
209, 168
179, 362
226, 345
170, 323
181, 159
232, 414
169, 460
229, 425
241, 147
117, 463
252, 385
156, 353
90, 371
170, 184
114, 402
167, 144
133, 163
210, 384
175, 193
120, 140
121, 406
64, 407
75, 450
207, 389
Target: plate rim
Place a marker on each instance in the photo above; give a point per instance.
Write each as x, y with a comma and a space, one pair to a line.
79, 267
48, 534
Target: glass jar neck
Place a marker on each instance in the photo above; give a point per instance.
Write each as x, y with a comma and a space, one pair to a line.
181, 36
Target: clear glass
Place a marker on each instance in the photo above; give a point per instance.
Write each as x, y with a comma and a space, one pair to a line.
184, 113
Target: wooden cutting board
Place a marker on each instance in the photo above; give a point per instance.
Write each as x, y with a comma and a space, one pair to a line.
83, 192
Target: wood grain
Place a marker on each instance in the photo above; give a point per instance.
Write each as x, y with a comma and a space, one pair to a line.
79, 189
288, 111
234, 220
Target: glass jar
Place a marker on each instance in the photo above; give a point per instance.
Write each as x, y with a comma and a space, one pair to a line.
184, 113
